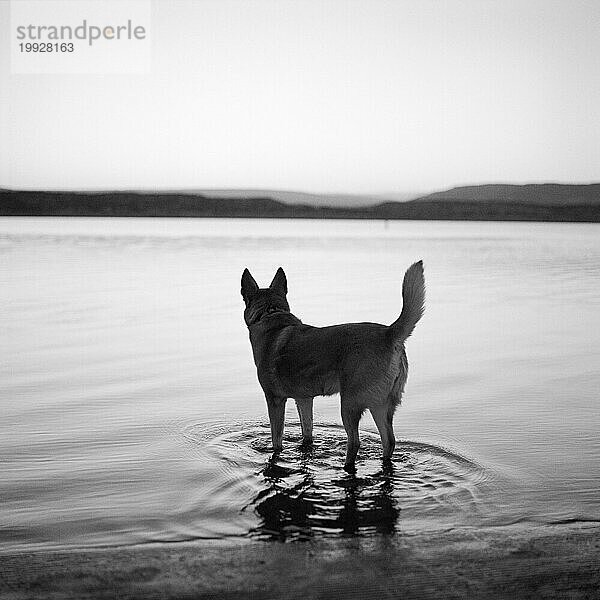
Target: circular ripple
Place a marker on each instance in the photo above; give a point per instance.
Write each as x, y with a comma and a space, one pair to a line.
302, 493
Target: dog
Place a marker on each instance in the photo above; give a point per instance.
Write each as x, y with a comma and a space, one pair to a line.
364, 362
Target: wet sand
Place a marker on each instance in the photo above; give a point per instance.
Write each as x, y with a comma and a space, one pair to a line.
517, 561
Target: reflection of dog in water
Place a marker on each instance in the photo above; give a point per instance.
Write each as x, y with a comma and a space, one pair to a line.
365, 362
302, 508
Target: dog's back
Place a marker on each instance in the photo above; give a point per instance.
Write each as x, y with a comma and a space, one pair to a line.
320, 361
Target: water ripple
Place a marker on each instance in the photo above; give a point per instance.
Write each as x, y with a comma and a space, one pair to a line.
301, 493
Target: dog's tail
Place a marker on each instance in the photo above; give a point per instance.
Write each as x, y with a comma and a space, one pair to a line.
413, 303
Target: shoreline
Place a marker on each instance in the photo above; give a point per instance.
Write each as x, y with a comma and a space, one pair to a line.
569, 204
511, 561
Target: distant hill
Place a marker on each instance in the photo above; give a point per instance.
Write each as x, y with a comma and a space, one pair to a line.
547, 194
303, 198
546, 202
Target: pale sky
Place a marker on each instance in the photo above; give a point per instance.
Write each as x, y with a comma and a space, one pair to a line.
361, 96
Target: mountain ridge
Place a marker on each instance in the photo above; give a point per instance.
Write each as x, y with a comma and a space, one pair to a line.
549, 194
511, 202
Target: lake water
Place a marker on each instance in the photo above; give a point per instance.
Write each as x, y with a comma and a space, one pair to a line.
130, 411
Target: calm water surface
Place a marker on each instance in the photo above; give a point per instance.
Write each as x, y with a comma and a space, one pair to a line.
130, 410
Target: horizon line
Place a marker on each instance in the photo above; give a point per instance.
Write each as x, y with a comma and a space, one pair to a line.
198, 190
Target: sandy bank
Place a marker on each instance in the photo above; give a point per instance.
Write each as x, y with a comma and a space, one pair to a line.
560, 561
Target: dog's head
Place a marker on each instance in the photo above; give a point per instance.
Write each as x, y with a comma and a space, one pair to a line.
265, 301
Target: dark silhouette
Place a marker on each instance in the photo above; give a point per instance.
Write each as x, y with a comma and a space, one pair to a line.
305, 508
544, 202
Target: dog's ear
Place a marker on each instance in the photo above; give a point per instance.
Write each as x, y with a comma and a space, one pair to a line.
279, 282
249, 286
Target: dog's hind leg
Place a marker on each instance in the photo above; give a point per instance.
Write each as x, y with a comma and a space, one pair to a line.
305, 412
276, 407
383, 417
351, 415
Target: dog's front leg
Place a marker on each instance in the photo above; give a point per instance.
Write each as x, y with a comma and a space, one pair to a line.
276, 408
305, 412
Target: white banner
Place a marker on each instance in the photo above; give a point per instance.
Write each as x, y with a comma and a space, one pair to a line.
80, 36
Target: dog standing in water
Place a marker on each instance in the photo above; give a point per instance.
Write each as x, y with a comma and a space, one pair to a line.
365, 362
